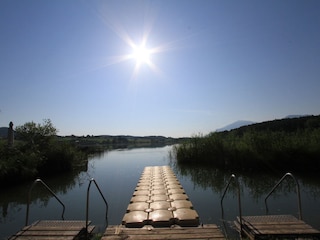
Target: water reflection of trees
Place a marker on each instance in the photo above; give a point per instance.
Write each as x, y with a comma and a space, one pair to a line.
257, 185
16, 196
204, 176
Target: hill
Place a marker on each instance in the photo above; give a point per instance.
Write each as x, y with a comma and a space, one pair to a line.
235, 125
243, 123
292, 124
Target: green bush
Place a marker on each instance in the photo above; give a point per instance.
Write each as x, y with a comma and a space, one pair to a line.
37, 152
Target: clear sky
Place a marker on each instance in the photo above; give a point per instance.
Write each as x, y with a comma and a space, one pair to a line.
202, 64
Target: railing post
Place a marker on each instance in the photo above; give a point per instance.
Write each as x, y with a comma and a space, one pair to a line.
88, 199
87, 204
297, 190
48, 189
239, 198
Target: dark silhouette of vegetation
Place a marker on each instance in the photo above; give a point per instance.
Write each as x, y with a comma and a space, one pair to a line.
287, 144
37, 152
103, 142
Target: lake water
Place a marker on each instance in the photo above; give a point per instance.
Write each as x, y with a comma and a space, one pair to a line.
117, 173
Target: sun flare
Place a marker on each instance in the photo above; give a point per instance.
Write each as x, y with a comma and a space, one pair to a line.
143, 50
141, 54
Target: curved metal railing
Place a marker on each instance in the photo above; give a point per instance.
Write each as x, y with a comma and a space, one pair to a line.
233, 177
87, 207
297, 191
49, 190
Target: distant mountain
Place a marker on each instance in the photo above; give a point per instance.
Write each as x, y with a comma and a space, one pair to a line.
297, 116
235, 125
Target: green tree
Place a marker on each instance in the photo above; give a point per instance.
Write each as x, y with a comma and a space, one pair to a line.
38, 152
37, 135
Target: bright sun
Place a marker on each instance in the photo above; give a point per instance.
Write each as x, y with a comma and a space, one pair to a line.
141, 54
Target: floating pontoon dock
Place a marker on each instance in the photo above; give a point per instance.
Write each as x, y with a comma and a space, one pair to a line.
160, 209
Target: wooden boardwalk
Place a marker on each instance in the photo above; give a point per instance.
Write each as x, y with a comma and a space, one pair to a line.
50, 230
276, 226
175, 232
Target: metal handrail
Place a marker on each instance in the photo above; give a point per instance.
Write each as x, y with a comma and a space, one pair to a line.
49, 189
297, 190
239, 199
87, 207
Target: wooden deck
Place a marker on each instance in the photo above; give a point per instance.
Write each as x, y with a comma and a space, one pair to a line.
50, 230
276, 226
175, 232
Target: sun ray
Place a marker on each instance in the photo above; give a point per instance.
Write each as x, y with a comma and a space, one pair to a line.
141, 53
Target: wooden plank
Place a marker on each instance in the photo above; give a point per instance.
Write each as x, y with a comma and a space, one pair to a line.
58, 228
206, 229
244, 231
42, 235
49, 233
57, 223
49, 230
270, 218
275, 225
42, 238
161, 236
287, 227
205, 232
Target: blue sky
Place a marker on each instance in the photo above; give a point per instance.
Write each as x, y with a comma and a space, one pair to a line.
211, 63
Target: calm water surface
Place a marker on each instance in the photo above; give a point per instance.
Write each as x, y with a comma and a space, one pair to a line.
117, 173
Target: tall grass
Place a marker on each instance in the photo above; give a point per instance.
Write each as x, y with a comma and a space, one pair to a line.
254, 150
